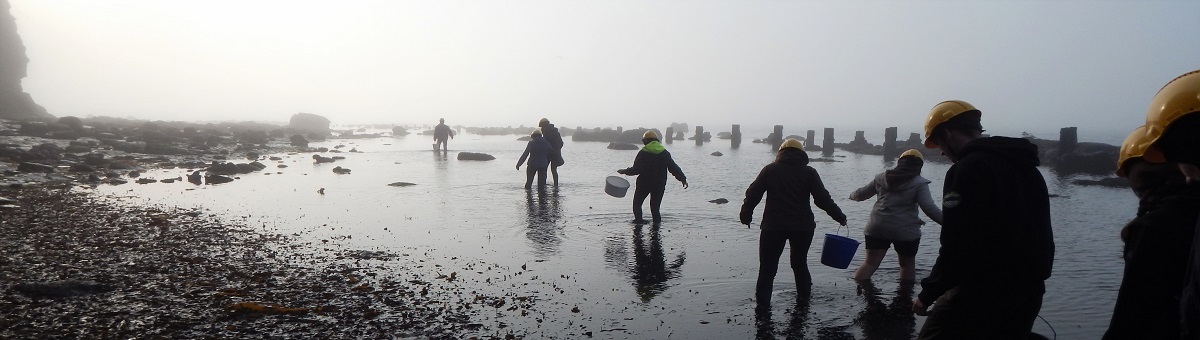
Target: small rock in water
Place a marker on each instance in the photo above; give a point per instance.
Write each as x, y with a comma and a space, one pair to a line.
341, 171
719, 201
717, 153
401, 184
472, 156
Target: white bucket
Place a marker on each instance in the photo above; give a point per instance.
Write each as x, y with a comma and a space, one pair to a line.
435, 147
616, 186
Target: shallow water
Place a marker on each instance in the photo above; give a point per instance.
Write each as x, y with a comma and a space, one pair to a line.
691, 278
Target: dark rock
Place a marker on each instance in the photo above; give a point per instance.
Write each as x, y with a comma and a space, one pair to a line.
217, 179
244, 168
717, 153
258, 166
146, 180
72, 122
14, 154
80, 167
64, 134
634, 136
399, 131
94, 159
281, 166
299, 141
77, 149
276, 158
341, 171
622, 146
171, 180
133, 174
719, 201
321, 159
103, 136
34, 167
472, 156
45, 151
309, 123
401, 184
61, 289
195, 177
222, 168
252, 156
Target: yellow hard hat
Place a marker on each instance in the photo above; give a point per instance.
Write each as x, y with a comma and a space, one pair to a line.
1138, 145
912, 152
649, 134
943, 112
791, 143
1179, 97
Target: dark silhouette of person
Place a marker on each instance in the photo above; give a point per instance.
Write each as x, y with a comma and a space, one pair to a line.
442, 133
788, 183
550, 132
651, 166
537, 151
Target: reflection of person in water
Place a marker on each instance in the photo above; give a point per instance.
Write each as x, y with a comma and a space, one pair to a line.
795, 327
542, 215
892, 320
650, 268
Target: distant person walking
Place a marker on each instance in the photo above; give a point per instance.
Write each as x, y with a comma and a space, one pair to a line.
997, 244
556, 142
651, 166
894, 219
1157, 244
788, 183
441, 134
537, 151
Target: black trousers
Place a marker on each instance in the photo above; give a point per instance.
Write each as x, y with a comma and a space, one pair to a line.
541, 175
639, 196
985, 312
770, 248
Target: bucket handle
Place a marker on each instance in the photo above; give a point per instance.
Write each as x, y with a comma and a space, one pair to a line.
839, 228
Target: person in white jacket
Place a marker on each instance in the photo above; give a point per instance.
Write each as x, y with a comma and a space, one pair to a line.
894, 219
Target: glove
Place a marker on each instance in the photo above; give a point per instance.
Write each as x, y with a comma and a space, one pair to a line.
684, 183
841, 220
746, 218
622, 171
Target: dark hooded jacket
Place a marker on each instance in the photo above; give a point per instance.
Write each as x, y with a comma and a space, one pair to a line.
651, 166
788, 183
537, 151
1156, 254
996, 220
556, 142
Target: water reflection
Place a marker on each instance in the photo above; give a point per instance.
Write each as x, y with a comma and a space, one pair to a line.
542, 214
649, 269
793, 329
890, 320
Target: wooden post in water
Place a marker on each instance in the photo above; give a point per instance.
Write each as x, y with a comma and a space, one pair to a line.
1068, 138
811, 138
699, 135
670, 133
776, 137
827, 145
889, 144
735, 137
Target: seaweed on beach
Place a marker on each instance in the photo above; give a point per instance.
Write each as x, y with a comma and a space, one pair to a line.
76, 265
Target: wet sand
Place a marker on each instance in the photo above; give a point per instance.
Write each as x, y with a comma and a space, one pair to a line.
78, 265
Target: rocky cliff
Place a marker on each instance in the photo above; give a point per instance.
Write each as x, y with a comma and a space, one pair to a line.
14, 102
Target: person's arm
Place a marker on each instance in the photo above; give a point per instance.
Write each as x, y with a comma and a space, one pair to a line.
523, 156
822, 199
754, 194
925, 200
675, 170
968, 193
639, 165
865, 192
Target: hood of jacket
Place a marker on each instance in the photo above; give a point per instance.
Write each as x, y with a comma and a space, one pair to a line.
793, 157
654, 147
1019, 150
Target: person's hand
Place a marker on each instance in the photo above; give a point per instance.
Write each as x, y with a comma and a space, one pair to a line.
920, 308
518, 167
684, 183
622, 171
842, 221
746, 219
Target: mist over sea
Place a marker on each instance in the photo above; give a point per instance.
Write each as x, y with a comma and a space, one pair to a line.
690, 278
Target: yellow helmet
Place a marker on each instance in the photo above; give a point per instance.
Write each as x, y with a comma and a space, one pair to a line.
943, 112
650, 134
1179, 97
1138, 145
912, 152
791, 143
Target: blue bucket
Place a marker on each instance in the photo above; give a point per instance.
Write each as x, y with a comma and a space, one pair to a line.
838, 251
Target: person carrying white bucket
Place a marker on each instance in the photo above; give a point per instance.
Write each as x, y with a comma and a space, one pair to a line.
894, 219
788, 182
651, 166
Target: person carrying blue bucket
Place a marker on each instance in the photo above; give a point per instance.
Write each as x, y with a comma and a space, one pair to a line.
788, 182
894, 220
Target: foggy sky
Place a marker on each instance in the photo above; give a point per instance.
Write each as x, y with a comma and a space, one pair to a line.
1028, 65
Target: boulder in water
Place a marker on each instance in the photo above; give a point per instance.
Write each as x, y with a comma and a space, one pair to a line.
401, 184
473, 156
622, 146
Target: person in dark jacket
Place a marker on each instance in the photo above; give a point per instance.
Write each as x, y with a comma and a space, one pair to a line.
1173, 129
788, 183
997, 243
894, 219
651, 166
442, 133
1157, 243
556, 142
537, 151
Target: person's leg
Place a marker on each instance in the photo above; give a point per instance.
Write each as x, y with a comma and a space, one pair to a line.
906, 252
770, 247
541, 174
656, 202
529, 172
639, 196
554, 173
876, 249
800, 241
